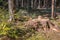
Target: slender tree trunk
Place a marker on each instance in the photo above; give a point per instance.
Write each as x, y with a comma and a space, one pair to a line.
28, 5
39, 5
32, 3
53, 6
17, 4
10, 5
22, 3
44, 3
35, 4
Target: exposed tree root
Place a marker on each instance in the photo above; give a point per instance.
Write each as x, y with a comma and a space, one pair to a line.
42, 23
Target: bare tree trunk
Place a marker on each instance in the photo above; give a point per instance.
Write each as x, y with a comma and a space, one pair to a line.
44, 4
22, 3
39, 5
10, 5
32, 3
28, 5
35, 4
53, 14
17, 4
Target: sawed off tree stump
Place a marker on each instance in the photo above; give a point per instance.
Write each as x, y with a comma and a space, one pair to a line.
46, 24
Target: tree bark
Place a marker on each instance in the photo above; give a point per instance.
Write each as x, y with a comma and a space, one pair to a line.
35, 4
22, 3
17, 4
28, 5
53, 14
11, 12
39, 4
32, 3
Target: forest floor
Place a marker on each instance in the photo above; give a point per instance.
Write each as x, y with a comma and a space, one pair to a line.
12, 31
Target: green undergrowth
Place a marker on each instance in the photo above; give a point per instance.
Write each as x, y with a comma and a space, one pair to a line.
15, 32
15, 29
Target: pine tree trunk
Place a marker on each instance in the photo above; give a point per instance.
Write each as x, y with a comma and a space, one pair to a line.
44, 3
52, 15
39, 5
17, 4
10, 5
32, 3
22, 3
35, 4
28, 5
